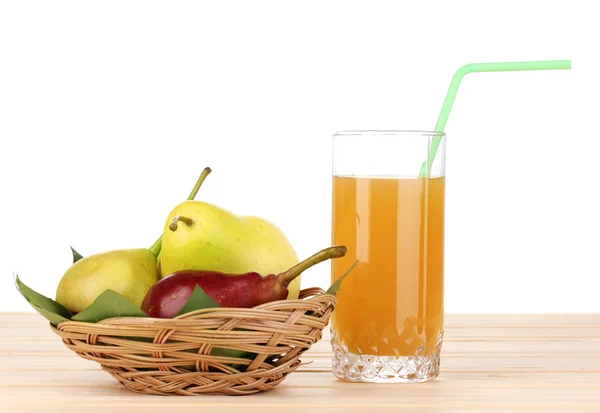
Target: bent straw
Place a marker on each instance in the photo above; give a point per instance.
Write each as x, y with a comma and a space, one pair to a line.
474, 68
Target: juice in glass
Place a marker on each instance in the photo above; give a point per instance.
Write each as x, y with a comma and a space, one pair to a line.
388, 324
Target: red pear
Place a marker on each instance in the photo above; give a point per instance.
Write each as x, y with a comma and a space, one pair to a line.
168, 296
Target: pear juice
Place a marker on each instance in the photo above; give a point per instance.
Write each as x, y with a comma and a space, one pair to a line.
392, 303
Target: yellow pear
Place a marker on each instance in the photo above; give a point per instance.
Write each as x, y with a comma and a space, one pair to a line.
130, 272
203, 236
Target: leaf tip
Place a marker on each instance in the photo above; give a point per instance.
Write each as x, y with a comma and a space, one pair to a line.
76, 256
18, 283
335, 287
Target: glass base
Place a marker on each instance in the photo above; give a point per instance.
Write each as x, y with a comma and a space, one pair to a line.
418, 368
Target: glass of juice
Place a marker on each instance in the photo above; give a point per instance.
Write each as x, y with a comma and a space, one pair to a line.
388, 210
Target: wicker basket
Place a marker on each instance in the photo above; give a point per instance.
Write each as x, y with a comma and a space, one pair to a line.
230, 351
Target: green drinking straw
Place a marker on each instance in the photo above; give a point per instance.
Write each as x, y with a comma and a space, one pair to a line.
482, 67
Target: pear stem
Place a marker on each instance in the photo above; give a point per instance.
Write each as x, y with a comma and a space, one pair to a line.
155, 248
323, 255
199, 183
180, 218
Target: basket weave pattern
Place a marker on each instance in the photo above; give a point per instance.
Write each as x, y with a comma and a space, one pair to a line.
202, 352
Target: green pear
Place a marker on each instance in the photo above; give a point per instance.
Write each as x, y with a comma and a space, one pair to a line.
203, 236
129, 272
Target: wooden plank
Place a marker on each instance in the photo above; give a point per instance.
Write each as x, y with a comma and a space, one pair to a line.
475, 362
492, 347
316, 396
21, 379
576, 347
216, 408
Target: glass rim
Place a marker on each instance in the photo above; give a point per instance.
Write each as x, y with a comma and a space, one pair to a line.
388, 132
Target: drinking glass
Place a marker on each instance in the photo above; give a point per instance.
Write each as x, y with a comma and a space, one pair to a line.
388, 210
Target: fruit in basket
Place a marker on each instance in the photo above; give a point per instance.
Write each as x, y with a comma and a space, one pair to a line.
202, 236
167, 297
129, 272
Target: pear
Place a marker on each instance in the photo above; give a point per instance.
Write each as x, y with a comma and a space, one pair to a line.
129, 272
167, 297
202, 236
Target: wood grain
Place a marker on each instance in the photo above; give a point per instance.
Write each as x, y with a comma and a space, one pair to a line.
517, 363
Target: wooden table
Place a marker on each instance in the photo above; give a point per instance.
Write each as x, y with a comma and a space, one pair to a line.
529, 363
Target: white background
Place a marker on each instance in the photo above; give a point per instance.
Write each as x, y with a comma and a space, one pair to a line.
109, 110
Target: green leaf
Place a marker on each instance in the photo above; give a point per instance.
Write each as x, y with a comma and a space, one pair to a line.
76, 256
336, 286
49, 309
107, 305
197, 301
